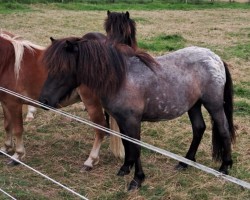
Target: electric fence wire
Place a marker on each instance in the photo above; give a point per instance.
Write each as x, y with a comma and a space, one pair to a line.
7, 194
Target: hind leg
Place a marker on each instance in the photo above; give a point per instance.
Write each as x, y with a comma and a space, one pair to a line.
222, 141
221, 136
198, 126
8, 142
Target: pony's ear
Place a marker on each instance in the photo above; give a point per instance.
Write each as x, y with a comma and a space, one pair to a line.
52, 39
71, 47
108, 12
127, 15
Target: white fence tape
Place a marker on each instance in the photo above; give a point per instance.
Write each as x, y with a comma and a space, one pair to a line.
45, 176
7, 194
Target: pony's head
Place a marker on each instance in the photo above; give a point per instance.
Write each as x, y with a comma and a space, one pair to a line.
75, 61
60, 59
121, 32
120, 28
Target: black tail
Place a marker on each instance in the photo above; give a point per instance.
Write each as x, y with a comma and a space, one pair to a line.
228, 108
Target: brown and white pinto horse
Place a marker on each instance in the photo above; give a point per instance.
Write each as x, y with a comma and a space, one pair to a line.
22, 71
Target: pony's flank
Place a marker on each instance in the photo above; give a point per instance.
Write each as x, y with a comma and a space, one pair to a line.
19, 45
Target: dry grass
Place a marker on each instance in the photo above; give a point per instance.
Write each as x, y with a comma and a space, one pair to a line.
58, 147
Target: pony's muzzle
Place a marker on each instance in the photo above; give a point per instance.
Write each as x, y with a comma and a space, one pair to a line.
45, 103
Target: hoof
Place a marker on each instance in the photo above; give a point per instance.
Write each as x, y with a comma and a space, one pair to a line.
224, 171
181, 166
12, 163
134, 185
29, 119
225, 165
86, 168
122, 172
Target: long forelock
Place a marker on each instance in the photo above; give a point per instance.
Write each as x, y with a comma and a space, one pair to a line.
57, 59
19, 45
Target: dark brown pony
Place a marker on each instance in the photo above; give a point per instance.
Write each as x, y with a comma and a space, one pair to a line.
132, 92
120, 29
22, 71
121, 33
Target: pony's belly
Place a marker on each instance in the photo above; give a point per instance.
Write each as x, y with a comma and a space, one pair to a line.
160, 112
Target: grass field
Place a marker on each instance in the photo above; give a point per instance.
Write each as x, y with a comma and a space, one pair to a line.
58, 146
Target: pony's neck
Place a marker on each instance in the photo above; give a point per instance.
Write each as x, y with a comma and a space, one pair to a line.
131, 42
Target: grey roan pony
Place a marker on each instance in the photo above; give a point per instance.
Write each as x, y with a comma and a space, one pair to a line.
133, 92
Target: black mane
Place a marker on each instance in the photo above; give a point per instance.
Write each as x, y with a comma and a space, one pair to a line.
98, 65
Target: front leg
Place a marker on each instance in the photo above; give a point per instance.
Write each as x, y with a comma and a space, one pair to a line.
131, 126
95, 112
127, 165
31, 110
93, 158
13, 124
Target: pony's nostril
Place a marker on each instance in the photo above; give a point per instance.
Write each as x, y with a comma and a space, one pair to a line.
44, 102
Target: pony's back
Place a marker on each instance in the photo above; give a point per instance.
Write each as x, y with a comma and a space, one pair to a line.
12, 48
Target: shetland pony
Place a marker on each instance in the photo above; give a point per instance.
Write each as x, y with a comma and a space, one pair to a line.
132, 92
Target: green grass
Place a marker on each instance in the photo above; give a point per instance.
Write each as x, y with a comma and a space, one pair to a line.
13, 6
163, 43
6, 8
241, 90
151, 6
242, 108
241, 51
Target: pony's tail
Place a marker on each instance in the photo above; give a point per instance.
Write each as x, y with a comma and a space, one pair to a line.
228, 109
116, 145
